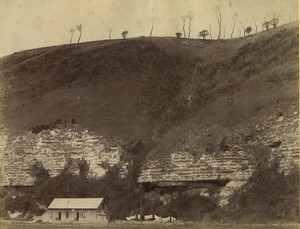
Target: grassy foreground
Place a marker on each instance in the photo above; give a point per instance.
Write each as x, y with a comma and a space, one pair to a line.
8, 225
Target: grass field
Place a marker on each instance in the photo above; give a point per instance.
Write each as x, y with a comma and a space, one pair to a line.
149, 226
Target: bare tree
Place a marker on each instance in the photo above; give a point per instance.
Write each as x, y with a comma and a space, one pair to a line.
152, 27
190, 17
233, 27
79, 28
274, 21
243, 27
239, 31
183, 26
178, 34
71, 32
124, 34
210, 31
219, 18
224, 28
248, 30
255, 23
203, 33
109, 33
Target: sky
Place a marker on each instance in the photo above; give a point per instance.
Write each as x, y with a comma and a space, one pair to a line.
28, 24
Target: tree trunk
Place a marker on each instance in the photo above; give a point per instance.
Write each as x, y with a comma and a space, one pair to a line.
183, 28
233, 28
243, 28
71, 39
190, 23
79, 37
151, 29
219, 35
142, 193
255, 26
219, 18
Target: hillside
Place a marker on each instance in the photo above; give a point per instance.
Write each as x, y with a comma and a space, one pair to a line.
179, 94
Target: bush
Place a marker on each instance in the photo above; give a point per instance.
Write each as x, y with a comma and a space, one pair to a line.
191, 208
178, 34
269, 195
38, 171
24, 204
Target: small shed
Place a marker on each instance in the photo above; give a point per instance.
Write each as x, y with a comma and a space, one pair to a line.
81, 210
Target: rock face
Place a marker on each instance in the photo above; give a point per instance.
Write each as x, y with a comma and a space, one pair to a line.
280, 135
234, 164
53, 148
182, 166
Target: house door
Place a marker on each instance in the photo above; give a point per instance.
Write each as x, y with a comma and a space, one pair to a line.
77, 216
59, 215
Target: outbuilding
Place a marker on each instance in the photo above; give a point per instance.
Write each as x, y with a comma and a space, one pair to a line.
81, 210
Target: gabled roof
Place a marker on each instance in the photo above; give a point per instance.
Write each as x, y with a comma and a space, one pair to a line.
75, 203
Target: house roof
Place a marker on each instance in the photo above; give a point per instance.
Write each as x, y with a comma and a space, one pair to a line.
75, 203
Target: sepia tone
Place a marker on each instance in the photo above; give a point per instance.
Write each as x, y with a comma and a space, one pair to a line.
148, 113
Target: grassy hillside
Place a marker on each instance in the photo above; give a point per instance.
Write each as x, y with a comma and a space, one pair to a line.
165, 89
192, 108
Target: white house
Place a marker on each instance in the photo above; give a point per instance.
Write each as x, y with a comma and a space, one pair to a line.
81, 210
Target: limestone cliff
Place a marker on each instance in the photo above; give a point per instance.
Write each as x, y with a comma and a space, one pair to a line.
53, 148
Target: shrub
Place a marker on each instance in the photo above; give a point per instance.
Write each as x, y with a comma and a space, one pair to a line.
124, 34
248, 30
269, 195
24, 204
203, 34
38, 171
189, 208
178, 34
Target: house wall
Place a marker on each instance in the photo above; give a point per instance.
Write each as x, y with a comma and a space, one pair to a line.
85, 216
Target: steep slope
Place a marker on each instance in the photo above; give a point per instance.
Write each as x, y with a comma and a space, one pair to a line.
184, 95
116, 87
254, 103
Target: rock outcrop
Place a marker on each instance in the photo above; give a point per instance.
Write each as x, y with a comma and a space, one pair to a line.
234, 164
53, 148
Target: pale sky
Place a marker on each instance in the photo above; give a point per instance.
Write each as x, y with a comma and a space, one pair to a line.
27, 24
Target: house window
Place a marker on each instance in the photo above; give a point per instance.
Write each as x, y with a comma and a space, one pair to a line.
67, 215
